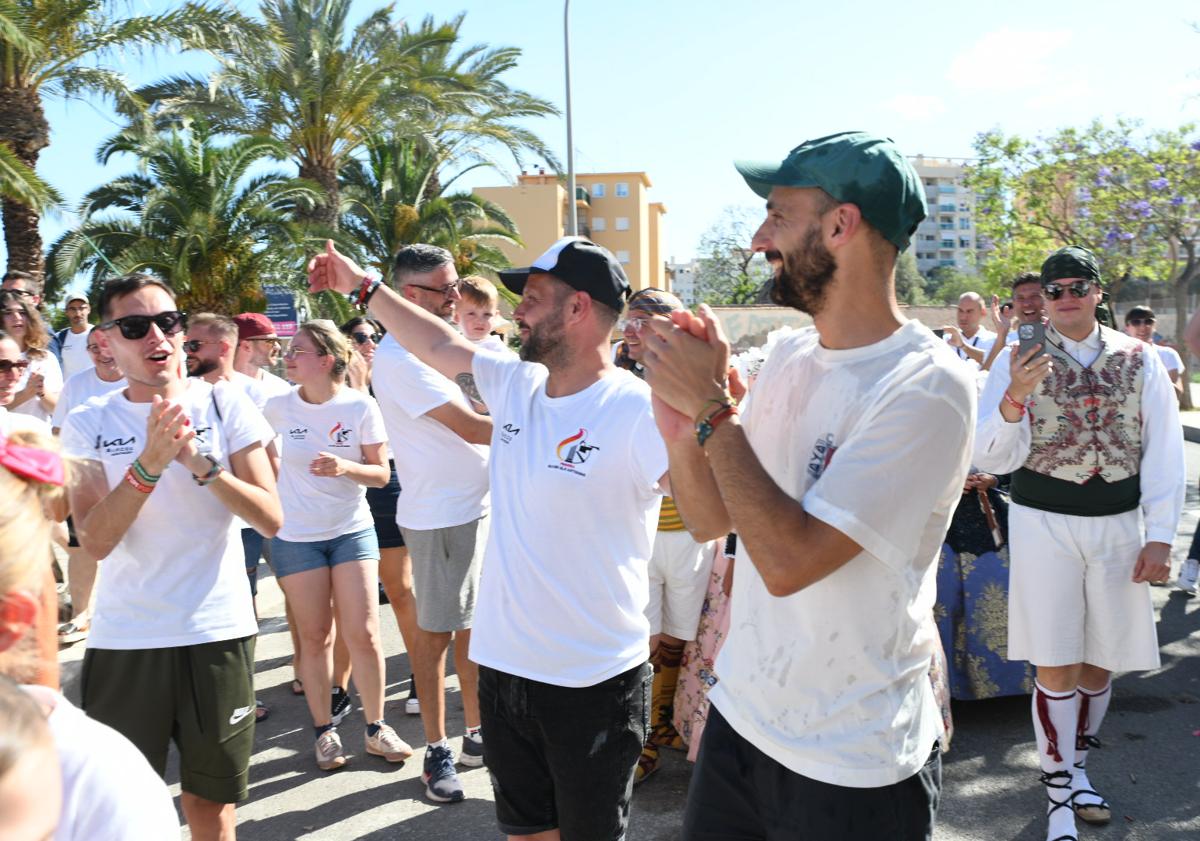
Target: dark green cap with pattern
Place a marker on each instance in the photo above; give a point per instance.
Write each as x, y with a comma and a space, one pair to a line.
854, 167
1070, 262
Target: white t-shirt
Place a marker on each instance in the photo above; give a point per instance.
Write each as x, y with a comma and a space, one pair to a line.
78, 390
110, 792
75, 357
444, 480
323, 507
1170, 358
493, 344
983, 340
178, 576
52, 380
11, 422
833, 681
563, 595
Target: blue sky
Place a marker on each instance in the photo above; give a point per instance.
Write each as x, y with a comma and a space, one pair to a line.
680, 88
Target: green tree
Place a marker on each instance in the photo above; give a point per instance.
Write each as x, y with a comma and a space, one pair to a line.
910, 285
729, 271
194, 216
58, 48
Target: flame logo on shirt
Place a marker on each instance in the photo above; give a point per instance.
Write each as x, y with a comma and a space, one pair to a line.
339, 434
575, 449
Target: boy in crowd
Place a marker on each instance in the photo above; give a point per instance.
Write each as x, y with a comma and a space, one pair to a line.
480, 310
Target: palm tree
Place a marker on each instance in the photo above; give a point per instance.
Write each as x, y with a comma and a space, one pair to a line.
55, 48
195, 216
394, 199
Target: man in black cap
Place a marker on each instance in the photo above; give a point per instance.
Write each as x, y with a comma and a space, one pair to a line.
577, 472
840, 482
1088, 427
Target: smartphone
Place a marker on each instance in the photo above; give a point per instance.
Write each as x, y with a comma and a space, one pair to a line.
939, 332
1029, 335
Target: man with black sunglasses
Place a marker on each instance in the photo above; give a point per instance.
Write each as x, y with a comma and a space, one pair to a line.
1089, 427
1139, 323
161, 469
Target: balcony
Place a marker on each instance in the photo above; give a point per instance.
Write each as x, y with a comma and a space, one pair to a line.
582, 196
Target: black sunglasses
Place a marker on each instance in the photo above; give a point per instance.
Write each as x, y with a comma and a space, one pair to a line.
137, 326
1138, 322
194, 345
363, 338
8, 366
1054, 291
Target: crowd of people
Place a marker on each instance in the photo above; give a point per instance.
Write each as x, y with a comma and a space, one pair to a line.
911, 517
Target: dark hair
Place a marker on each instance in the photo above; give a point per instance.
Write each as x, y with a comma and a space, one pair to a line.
418, 259
1139, 312
119, 287
17, 274
1006, 304
358, 321
37, 335
1026, 277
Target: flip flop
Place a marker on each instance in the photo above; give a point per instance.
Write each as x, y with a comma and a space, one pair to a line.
73, 631
261, 711
297, 686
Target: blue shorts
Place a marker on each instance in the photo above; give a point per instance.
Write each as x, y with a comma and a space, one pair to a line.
289, 557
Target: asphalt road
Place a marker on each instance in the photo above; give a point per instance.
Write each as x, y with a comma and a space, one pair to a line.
1149, 768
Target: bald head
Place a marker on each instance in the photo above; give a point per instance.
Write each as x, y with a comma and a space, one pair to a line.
970, 313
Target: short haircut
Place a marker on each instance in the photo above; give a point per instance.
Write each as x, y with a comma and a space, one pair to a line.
221, 325
479, 291
1139, 312
1006, 304
974, 297
1026, 277
606, 314
418, 259
329, 342
124, 285
32, 282
37, 337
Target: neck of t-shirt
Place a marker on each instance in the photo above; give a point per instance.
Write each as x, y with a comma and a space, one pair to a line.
317, 393
579, 374
82, 329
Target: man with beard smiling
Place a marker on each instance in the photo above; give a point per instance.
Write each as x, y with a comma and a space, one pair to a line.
840, 482
577, 472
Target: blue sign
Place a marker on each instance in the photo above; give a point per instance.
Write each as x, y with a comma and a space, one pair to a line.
281, 309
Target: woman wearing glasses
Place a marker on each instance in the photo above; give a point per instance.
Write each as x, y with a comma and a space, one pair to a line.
333, 448
37, 391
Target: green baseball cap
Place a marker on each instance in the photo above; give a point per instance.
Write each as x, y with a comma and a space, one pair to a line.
854, 167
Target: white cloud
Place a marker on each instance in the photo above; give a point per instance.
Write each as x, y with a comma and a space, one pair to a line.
1007, 60
915, 106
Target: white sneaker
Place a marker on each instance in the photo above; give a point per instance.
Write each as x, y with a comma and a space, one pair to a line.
1188, 575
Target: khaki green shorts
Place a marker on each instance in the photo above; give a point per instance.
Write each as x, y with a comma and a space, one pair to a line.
200, 696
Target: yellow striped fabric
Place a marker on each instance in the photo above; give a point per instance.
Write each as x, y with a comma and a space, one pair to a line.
668, 516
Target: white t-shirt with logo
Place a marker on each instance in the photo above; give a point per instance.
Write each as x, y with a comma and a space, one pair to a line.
575, 490
178, 576
982, 340
444, 480
110, 792
52, 380
833, 681
75, 357
78, 390
323, 507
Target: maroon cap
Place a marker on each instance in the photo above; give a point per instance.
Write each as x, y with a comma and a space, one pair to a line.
251, 325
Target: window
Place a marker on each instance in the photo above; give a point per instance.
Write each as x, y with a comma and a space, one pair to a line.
622, 223
946, 207
947, 243
623, 257
964, 223
597, 191
622, 190
598, 223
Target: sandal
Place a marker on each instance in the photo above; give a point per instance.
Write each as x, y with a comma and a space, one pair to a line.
647, 764
73, 631
1059, 780
1094, 813
297, 686
261, 711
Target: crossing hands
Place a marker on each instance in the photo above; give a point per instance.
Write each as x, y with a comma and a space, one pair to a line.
686, 361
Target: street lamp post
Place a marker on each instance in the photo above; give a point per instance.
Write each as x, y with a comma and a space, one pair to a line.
573, 212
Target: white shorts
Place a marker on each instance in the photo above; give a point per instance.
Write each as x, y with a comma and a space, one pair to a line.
679, 568
1071, 597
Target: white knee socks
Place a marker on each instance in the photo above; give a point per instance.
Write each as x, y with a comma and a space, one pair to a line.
1093, 704
1055, 719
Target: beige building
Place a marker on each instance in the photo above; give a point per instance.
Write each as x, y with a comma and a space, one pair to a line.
614, 211
947, 235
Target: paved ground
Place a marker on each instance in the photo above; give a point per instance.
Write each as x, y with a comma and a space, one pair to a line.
1149, 768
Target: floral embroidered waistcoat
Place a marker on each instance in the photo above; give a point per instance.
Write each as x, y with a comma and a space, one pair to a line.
1087, 421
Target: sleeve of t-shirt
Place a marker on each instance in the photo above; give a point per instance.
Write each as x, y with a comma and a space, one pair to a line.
871, 491
51, 372
649, 452
244, 424
493, 374
412, 386
78, 435
373, 431
60, 408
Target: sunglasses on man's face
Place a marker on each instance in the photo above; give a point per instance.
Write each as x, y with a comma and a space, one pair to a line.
1078, 289
137, 326
194, 345
363, 338
1139, 322
7, 366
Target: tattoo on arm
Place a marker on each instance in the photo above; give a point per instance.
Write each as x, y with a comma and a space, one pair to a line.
467, 383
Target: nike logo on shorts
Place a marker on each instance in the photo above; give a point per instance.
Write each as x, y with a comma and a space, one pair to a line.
240, 713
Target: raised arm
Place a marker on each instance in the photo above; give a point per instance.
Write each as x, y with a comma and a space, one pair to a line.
425, 336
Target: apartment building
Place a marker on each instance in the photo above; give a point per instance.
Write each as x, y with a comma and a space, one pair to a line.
947, 235
681, 280
614, 210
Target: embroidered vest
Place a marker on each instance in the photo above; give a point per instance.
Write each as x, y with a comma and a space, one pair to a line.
1086, 429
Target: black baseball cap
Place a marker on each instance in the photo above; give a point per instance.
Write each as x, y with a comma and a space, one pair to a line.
582, 265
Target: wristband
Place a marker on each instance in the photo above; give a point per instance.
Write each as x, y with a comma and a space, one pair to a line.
143, 474
719, 402
1018, 406
706, 427
138, 484
369, 287
212, 474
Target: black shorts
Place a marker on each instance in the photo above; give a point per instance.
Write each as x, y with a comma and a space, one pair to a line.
383, 503
563, 757
738, 792
201, 696
72, 538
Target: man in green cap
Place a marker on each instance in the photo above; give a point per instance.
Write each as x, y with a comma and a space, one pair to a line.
1088, 426
840, 478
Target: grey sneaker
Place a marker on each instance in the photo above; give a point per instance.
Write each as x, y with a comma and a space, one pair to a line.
471, 754
339, 707
441, 782
1188, 574
389, 745
329, 751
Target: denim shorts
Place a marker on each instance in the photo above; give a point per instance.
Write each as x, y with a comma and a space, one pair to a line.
564, 757
289, 557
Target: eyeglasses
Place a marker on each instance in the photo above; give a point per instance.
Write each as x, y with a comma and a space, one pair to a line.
93, 348
447, 290
636, 324
8, 366
291, 352
169, 322
363, 338
1054, 291
193, 345
1138, 322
